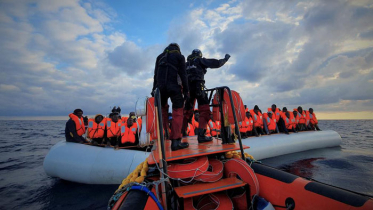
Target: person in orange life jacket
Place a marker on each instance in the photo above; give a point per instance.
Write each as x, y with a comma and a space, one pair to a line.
196, 69
281, 124
250, 131
129, 132
169, 70
277, 114
75, 128
190, 130
96, 129
195, 121
296, 120
313, 120
302, 119
258, 120
113, 126
213, 126
270, 122
287, 120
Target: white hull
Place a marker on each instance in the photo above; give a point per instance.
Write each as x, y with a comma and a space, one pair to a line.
99, 165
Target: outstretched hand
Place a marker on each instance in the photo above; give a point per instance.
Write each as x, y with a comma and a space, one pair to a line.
227, 56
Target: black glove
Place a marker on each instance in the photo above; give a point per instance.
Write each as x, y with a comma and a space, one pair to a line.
227, 56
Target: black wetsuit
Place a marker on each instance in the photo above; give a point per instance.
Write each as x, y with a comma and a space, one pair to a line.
196, 70
170, 78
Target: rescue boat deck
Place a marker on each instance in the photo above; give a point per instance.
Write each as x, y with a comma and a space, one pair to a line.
194, 149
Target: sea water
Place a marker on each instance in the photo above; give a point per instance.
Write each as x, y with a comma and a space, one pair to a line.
24, 184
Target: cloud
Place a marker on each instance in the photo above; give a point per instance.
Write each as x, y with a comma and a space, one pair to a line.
59, 55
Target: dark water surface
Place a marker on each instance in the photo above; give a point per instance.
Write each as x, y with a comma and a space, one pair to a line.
24, 184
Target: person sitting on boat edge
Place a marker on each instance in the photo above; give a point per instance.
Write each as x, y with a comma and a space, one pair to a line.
270, 122
113, 125
303, 122
213, 126
258, 120
296, 120
288, 120
129, 131
196, 69
75, 127
169, 70
250, 131
96, 129
313, 120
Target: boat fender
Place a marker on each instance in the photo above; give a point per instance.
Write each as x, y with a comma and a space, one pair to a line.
260, 203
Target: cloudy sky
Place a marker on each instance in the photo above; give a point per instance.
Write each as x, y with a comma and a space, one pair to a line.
60, 55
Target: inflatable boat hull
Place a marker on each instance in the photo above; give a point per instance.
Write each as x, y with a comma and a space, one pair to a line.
99, 165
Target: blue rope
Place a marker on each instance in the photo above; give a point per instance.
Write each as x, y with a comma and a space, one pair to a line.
145, 189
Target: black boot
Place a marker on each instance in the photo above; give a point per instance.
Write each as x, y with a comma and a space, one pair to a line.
317, 128
201, 136
177, 144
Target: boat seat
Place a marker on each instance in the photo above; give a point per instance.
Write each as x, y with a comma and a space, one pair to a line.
206, 188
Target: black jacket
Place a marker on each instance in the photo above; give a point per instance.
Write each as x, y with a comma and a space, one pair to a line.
197, 67
169, 65
70, 132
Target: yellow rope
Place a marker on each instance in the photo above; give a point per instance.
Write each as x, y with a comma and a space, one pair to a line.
138, 175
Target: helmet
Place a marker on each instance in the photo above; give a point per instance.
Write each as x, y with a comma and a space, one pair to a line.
174, 45
197, 52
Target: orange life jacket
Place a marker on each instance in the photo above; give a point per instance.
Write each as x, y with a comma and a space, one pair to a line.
190, 130
96, 130
271, 122
302, 117
258, 118
277, 113
249, 124
243, 126
312, 118
208, 131
112, 128
195, 123
213, 127
128, 134
79, 124
288, 121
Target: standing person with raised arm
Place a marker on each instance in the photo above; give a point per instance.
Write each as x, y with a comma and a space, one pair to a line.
170, 78
196, 70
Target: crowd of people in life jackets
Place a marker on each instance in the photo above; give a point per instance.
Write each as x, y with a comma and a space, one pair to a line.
113, 130
257, 123
120, 131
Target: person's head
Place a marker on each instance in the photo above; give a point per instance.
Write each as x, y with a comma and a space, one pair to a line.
310, 110
300, 109
78, 112
197, 53
173, 47
114, 117
295, 113
269, 114
196, 116
132, 116
284, 109
248, 115
98, 118
287, 114
212, 117
256, 108
273, 107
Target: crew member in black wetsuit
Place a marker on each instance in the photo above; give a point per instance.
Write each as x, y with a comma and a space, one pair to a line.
170, 77
196, 69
